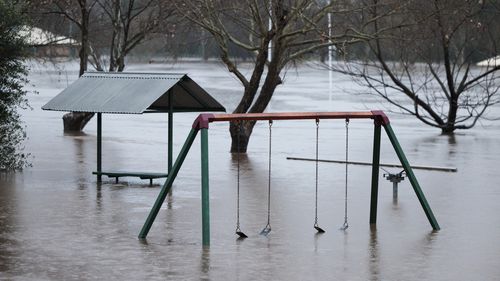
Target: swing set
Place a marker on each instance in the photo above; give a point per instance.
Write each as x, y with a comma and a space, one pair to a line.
267, 228
202, 124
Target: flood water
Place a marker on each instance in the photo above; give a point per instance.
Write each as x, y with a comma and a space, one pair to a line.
58, 223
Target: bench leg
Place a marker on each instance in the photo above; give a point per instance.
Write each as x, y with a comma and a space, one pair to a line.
151, 182
116, 179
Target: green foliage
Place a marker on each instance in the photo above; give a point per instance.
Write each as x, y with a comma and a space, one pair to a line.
12, 96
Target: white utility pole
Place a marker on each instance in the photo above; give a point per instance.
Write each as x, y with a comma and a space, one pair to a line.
330, 58
270, 26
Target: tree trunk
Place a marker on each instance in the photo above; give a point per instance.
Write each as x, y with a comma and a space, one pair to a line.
271, 81
75, 121
449, 127
448, 130
246, 101
245, 128
84, 36
83, 53
121, 64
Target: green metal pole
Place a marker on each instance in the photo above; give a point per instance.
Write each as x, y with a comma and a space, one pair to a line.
205, 200
99, 147
411, 177
170, 131
375, 174
168, 184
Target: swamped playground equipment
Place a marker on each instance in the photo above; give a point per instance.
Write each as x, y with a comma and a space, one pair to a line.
203, 121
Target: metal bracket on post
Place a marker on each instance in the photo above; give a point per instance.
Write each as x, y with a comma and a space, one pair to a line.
395, 179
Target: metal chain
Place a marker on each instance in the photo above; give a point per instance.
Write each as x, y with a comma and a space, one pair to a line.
269, 178
346, 225
316, 196
238, 131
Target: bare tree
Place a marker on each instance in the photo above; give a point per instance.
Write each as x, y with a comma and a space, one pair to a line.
118, 26
422, 60
131, 21
294, 29
79, 13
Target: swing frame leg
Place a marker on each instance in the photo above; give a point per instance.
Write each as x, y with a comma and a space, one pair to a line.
375, 173
168, 184
411, 176
205, 199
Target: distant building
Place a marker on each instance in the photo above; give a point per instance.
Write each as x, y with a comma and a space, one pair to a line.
491, 62
47, 44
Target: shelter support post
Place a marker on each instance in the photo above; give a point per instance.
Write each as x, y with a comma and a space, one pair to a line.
205, 200
170, 131
375, 173
411, 177
99, 147
168, 183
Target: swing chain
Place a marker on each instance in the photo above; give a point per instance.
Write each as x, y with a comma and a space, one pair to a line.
238, 131
267, 229
316, 186
346, 224
269, 178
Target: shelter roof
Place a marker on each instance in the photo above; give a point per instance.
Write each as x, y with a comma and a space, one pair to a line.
133, 93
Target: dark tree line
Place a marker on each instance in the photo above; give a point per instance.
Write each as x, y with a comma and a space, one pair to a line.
417, 55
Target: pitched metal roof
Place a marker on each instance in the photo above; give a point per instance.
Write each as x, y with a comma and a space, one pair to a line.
133, 93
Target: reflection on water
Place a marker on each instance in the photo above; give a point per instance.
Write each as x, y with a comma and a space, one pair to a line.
58, 223
436, 139
8, 221
205, 264
452, 139
373, 254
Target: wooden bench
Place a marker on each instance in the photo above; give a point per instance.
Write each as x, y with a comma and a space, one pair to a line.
141, 175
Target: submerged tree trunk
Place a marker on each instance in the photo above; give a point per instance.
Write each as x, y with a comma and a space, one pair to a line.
271, 81
450, 126
244, 129
76, 121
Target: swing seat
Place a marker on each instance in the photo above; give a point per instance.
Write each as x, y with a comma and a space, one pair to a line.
241, 235
141, 175
265, 231
319, 229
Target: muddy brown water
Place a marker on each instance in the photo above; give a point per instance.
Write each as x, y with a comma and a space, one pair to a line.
57, 223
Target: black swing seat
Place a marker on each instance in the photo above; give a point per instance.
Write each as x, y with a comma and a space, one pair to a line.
141, 175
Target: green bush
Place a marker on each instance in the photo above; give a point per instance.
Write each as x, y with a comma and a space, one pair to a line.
12, 96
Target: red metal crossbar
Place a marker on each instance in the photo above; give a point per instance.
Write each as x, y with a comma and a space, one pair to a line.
203, 120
